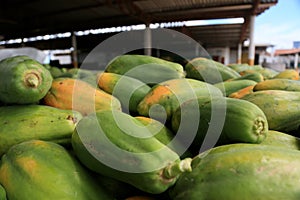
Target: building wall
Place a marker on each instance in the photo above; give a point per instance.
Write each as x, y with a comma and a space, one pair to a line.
220, 54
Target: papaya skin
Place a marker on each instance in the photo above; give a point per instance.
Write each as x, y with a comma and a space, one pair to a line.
234, 86
278, 84
170, 94
148, 164
242, 92
288, 74
20, 123
26, 167
242, 121
241, 171
129, 91
281, 139
135, 66
208, 70
74, 94
279, 106
23, 80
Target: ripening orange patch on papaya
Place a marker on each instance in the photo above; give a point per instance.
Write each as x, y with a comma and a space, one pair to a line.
239, 94
28, 165
4, 176
104, 79
156, 94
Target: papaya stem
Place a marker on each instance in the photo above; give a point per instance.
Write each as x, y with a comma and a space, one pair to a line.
32, 80
177, 168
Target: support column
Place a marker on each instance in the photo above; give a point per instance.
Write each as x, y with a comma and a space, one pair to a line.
239, 54
74, 52
296, 60
147, 41
251, 51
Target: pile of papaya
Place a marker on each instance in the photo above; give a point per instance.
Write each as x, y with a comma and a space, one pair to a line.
148, 129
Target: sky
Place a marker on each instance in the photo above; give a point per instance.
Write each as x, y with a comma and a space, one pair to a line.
279, 25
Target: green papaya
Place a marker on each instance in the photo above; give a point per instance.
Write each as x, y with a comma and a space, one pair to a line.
117, 145
19, 123
39, 169
2, 193
208, 70
222, 120
291, 74
23, 80
278, 84
244, 66
241, 171
149, 69
129, 91
280, 139
164, 98
255, 76
229, 87
280, 107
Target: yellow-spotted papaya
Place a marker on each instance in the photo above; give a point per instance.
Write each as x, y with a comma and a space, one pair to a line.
23, 80
242, 92
229, 87
45, 170
222, 120
117, 145
280, 107
74, 94
278, 84
288, 74
164, 98
208, 70
19, 123
241, 171
149, 69
129, 91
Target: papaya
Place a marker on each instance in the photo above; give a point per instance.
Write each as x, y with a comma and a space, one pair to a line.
255, 76
23, 80
162, 133
209, 71
280, 139
55, 72
223, 120
280, 107
74, 94
288, 74
19, 123
241, 171
244, 66
164, 98
149, 69
129, 91
159, 130
278, 84
242, 92
229, 87
117, 145
267, 73
39, 169
2, 193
